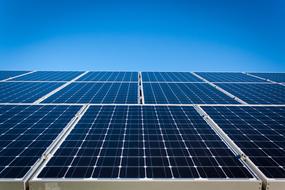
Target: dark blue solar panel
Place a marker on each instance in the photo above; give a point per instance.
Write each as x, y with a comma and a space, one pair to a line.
49, 76
277, 77
169, 77
184, 93
25, 92
143, 142
261, 93
258, 131
228, 77
97, 93
26, 132
9, 74
110, 76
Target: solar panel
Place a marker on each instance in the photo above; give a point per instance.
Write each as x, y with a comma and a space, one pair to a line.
143, 142
49, 76
228, 77
258, 131
110, 76
8, 74
276, 77
26, 132
25, 92
108, 92
169, 77
184, 93
259, 93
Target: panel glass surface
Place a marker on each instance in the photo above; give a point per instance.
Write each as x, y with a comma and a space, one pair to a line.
228, 77
184, 93
258, 131
26, 132
276, 77
7, 74
108, 92
143, 142
169, 77
263, 93
49, 76
25, 92
110, 76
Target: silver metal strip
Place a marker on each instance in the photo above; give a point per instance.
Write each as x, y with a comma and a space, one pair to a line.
221, 89
129, 184
234, 146
141, 93
59, 140
17, 76
268, 80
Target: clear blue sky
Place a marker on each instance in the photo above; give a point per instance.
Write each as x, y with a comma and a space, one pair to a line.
149, 35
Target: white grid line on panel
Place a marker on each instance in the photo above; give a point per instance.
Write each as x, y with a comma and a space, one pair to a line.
58, 89
123, 146
103, 141
94, 104
163, 141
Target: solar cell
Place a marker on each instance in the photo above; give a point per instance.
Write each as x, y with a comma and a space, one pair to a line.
228, 77
108, 92
25, 92
258, 131
169, 77
259, 93
110, 76
143, 142
184, 93
49, 76
7, 74
276, 77
26, 132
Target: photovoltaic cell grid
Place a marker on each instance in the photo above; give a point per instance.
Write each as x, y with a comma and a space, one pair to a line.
143, 142
25, 92
26, 132
119, 93
228, 77
258, 131
258, 93
49, 76
110, 76
184, 93
276, 77
8, 74
169, 77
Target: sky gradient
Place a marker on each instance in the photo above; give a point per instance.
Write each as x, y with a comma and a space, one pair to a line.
149, 35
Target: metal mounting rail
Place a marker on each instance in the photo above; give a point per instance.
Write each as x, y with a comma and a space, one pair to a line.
58, 89
140, 85
268, 80
10, 78
57, 142
246, 160
220, 89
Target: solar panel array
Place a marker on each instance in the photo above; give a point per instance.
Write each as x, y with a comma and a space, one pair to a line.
143, 142
61, 126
